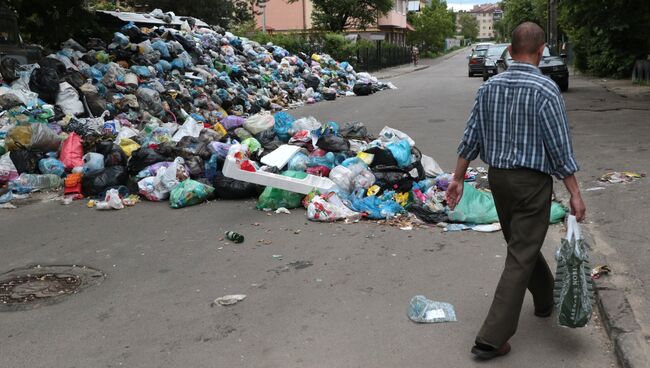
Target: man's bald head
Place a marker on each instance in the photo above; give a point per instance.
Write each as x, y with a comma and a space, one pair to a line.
527, 38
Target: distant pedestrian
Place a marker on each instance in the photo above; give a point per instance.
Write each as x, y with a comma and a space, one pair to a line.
519, 127
415, 55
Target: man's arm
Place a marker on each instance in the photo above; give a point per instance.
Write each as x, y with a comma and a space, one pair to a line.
455, 191
578, 208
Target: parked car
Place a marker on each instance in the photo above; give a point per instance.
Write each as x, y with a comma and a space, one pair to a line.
490, 62
476, 56
550, 65
11, 44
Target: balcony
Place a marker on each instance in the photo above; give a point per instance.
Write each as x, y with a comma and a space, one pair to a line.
393, 19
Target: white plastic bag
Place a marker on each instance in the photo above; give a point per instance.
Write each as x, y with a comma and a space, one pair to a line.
330, 208
259, 123
391, 135
8, 170
112, 201
431, 167
308, 123
191, 128
68, 99
342, 177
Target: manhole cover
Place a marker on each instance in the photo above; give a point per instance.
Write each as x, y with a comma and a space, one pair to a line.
35, 286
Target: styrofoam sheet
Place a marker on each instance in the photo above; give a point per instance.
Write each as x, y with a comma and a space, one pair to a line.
281, 156
303, 186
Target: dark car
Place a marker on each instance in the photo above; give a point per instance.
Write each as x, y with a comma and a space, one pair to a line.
475, 64
550, 65
490, 61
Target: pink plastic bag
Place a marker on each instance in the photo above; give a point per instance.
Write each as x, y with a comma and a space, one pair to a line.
72, 152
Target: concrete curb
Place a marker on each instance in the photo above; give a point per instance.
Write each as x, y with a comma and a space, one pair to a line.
403, 73
622, 327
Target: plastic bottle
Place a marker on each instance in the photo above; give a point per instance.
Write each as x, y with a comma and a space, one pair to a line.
38, 182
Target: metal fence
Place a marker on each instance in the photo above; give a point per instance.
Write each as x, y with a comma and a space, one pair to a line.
381, 56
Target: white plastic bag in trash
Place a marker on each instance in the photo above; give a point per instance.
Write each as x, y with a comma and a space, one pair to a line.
191, 128
8, 171
392, 135
431, 167
259, 123
68, 99
330, 208
308, 123
112, 201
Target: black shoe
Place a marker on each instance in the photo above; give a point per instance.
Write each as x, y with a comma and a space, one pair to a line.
544, 313
484, 352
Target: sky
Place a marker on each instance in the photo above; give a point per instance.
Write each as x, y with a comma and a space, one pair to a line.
466, 4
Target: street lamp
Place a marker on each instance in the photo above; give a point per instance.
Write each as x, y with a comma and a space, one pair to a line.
262, 5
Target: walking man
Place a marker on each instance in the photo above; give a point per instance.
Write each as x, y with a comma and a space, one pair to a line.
519, 127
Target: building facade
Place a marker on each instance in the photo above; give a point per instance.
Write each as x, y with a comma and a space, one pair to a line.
485, 15
282, 17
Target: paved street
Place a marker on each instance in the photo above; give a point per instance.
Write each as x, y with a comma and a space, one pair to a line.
338, 295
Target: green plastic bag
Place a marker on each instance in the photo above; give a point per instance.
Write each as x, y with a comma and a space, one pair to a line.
477, 207
189, 193
273, 198
573, 284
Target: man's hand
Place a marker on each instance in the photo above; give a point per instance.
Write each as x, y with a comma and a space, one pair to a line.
578, 208
454, 193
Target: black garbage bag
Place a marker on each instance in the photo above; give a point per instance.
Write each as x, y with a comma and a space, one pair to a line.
333, 143
45, 82
75, 78
110, 177
362, 89
355, 130
382, 157
143, 157
96, 44
52, 63
192, 146
312, 81
26, 161
196, 167
427, 215
113, 154
9, 69
268, 140
227, 188
329, 96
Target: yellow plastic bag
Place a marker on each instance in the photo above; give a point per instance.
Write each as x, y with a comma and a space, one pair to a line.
221, 131
316, 58
19, 137
128, 146
366, 157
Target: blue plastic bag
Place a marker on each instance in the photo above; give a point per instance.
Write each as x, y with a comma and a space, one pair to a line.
162, 48
283, 122
329, 160
121, 39
141, 71
162, 66
401, 151
298, 162
376, 208
93, 163
51, 166
212, 168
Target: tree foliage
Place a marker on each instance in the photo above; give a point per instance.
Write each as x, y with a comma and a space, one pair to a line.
432, 25
516, 12
468, 25
338, 15
607, 36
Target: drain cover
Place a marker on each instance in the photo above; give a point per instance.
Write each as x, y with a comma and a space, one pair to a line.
35, 286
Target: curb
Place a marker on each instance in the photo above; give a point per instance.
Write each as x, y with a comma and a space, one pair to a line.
630, 344
403, 73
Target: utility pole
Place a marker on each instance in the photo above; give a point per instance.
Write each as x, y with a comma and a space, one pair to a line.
262, 5
552, 25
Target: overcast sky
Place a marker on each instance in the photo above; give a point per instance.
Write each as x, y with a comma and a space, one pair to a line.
466, 4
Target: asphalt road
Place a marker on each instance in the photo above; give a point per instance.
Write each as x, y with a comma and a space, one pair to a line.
337, 296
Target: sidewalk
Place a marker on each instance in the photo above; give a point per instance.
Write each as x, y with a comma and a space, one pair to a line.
609, 122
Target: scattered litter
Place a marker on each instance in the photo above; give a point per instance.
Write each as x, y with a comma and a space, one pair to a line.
7, 206
234, 237
283, 210
423, 310
598, 271
616, 177
229, 299
594, 189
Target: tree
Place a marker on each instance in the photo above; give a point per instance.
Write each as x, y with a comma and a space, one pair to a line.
338, 15
516, 12
468, 26
607, 36
432, 25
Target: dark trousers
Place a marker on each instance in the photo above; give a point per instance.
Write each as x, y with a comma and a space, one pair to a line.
523, 203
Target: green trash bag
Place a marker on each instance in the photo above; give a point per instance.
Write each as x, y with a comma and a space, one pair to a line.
477, 207
273, 198
573, 292
189, 193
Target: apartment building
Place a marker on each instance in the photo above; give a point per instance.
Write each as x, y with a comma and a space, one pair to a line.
282, 17
486, 15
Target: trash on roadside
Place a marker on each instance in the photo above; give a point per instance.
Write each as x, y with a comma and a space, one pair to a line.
616, 177
283, 210
599, 271
423, 310
234, 237
229, 299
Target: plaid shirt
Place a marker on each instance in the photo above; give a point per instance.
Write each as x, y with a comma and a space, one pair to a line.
519, 121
